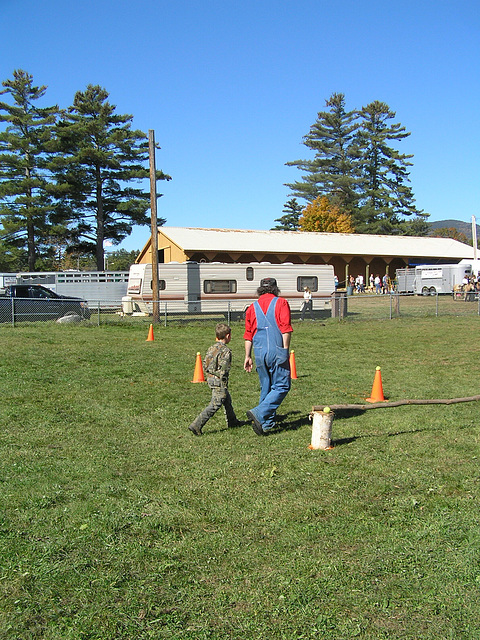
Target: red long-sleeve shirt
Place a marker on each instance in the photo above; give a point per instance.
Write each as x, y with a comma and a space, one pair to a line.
282, 315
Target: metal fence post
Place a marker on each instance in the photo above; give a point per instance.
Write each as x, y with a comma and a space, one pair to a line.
166, 314
13, 311
391, 305
436, 304
228, 312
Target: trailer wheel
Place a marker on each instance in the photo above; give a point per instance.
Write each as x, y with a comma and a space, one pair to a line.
425, 291
433, 291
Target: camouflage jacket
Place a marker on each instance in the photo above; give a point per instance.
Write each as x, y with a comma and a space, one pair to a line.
217, 363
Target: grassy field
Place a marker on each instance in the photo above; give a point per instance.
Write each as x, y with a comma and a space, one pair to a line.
117, 523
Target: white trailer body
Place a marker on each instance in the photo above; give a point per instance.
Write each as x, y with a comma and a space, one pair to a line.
191, 287
428, 279
7, 279
106, 288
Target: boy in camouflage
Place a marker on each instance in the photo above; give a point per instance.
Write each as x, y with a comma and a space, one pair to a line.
216, 364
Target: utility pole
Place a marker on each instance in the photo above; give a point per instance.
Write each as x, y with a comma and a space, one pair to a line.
474, 242
154, 229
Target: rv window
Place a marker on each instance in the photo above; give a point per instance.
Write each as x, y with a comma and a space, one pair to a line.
220, 286
307, 281
249, 273
161, 285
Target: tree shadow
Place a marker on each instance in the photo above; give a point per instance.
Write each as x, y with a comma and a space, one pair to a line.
294, 420
343, 441
345, 414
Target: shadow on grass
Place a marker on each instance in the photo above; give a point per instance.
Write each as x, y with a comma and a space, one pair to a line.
343, 441
294, 420
291, 421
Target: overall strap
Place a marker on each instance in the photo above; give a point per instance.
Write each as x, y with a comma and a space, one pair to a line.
267, 321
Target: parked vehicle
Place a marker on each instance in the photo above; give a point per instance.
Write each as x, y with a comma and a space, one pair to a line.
32, 303
427, 279
192, 287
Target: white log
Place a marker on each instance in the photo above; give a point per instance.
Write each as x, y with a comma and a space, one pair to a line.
322, 430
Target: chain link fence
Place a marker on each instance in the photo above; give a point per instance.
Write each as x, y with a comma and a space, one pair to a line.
341, 308
394, 305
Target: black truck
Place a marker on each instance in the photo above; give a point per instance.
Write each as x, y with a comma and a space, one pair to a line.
33, 303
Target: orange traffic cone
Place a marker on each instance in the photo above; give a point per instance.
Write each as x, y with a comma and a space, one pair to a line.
293, 366
377, 389
198, 373
150, 334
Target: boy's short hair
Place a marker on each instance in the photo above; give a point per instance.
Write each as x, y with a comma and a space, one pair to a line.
222, 330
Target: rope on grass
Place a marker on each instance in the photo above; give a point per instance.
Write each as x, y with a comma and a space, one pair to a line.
396, 403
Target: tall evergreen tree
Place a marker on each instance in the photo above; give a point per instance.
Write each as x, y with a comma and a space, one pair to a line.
25, 203
101, 157
333, 170
386, 198
289, 222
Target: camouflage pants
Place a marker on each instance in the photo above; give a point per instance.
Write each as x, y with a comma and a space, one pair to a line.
220, 396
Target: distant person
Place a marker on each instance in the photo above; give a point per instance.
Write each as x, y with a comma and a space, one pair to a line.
385, 283
216, 364
307, 303
360, 284
268, 330
378, 284
335, 279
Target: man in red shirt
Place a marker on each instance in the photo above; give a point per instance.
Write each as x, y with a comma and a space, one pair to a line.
268, 330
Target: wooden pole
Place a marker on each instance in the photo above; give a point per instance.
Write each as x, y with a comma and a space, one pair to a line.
396, 403
154, 228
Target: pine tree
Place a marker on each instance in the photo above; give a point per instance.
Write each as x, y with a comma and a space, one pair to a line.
121, 260
322, 215
386, 196
333, 171
25, 202
289, 222
102, 157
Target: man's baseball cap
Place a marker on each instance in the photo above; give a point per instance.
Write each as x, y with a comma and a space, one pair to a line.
268, 282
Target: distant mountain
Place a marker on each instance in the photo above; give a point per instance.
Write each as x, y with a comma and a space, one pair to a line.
462, 227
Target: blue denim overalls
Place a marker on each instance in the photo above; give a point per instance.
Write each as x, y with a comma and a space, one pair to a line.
272, 363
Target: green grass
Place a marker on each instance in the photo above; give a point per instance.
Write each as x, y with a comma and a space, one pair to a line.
117, 523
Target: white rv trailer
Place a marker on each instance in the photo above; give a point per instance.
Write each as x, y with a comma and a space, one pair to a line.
192, 287
428, 279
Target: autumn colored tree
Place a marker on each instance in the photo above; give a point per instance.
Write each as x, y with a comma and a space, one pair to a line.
322, 215
450, 232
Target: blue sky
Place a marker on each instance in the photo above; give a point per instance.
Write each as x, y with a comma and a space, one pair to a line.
230, 88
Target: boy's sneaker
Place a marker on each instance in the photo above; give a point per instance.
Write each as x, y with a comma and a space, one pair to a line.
257, 425
195, 430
